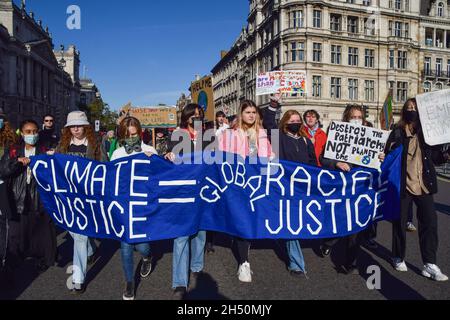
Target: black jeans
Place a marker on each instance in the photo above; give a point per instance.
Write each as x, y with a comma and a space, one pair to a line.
427, 223
243, 248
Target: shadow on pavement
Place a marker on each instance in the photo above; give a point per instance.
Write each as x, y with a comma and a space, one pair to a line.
445, 209
391, 287
106, 250
206, 288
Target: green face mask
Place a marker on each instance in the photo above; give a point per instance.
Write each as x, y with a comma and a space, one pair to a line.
132, 141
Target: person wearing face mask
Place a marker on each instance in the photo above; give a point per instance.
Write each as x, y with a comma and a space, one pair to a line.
161, 141
32, 233
131, 144
353, 114
295, 146
418, 185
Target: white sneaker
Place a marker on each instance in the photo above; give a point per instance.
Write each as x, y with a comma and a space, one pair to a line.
245, 273
410, 227
433, 272
399, 265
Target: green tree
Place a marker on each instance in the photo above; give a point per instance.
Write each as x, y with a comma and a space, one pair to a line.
99, 110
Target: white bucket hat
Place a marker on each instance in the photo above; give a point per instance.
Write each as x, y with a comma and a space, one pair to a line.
77, 118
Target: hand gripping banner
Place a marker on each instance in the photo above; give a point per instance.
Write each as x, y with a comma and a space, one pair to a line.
140, 198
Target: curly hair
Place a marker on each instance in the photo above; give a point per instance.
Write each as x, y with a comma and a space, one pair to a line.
348, 112
67, 137
7, 136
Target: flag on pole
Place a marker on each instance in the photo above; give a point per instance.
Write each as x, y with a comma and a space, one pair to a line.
387, 117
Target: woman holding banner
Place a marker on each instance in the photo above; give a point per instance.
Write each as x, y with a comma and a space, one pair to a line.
78, 139
419, 184
188, 251
247, 139
353, 114
32, 233
131, 144
295, 146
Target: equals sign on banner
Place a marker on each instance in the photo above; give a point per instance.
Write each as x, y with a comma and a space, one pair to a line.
177, 183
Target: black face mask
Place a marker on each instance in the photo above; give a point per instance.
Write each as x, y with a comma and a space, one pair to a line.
294, 127
411, 116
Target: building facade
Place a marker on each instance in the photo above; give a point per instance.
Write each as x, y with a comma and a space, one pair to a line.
33, 79
354, 52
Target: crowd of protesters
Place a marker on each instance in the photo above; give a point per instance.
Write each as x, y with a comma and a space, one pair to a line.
27, 232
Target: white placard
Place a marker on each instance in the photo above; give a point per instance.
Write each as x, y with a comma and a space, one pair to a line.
97, 125
290, 81
355, 144
434, 112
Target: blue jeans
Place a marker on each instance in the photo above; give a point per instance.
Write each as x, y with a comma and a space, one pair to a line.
127, 252
195, 245
296, 259
83, 248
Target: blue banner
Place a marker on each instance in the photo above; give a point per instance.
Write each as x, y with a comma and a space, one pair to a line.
139, 199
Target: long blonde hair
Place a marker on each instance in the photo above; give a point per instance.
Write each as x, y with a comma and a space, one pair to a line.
253, 131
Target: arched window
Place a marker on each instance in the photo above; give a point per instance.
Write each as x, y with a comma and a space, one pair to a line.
438, 86
440, 9
427, 86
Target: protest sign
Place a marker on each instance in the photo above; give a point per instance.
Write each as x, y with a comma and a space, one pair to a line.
434, 112
138, 199
355, 144
281, 82
152, 117
203, 95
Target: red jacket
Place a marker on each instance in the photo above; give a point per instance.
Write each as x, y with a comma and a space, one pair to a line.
320, 140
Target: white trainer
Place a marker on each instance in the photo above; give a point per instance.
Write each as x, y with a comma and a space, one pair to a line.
400, 265
433, 272
245, 273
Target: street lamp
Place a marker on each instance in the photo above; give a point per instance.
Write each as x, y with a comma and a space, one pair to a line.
62, 65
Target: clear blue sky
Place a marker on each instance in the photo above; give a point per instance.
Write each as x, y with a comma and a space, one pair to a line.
145, 51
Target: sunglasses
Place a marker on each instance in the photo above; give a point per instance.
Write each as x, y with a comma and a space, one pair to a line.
48, 120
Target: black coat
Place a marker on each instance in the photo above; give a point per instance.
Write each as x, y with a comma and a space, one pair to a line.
17, 185
296, 149
48, 138
431, 156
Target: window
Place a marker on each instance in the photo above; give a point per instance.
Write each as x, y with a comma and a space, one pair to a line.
427, 67
336, 54
391, 59
335, 22
367, 3
352, 25
317, 52
317, 86
353, 89
296, 19
438, 67
369, 27
317, 20
440, 9
398, 4
427, 87
369, 90
402, 91
398, 29
438, 86
402, 62
448, 68
352, 56
297, 51
369, 61
335, 88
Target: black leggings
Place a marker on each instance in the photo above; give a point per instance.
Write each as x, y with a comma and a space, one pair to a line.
243, 248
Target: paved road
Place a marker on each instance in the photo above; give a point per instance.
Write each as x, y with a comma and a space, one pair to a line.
270, 279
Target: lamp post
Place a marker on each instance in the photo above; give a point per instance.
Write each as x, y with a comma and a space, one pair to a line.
62, 65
